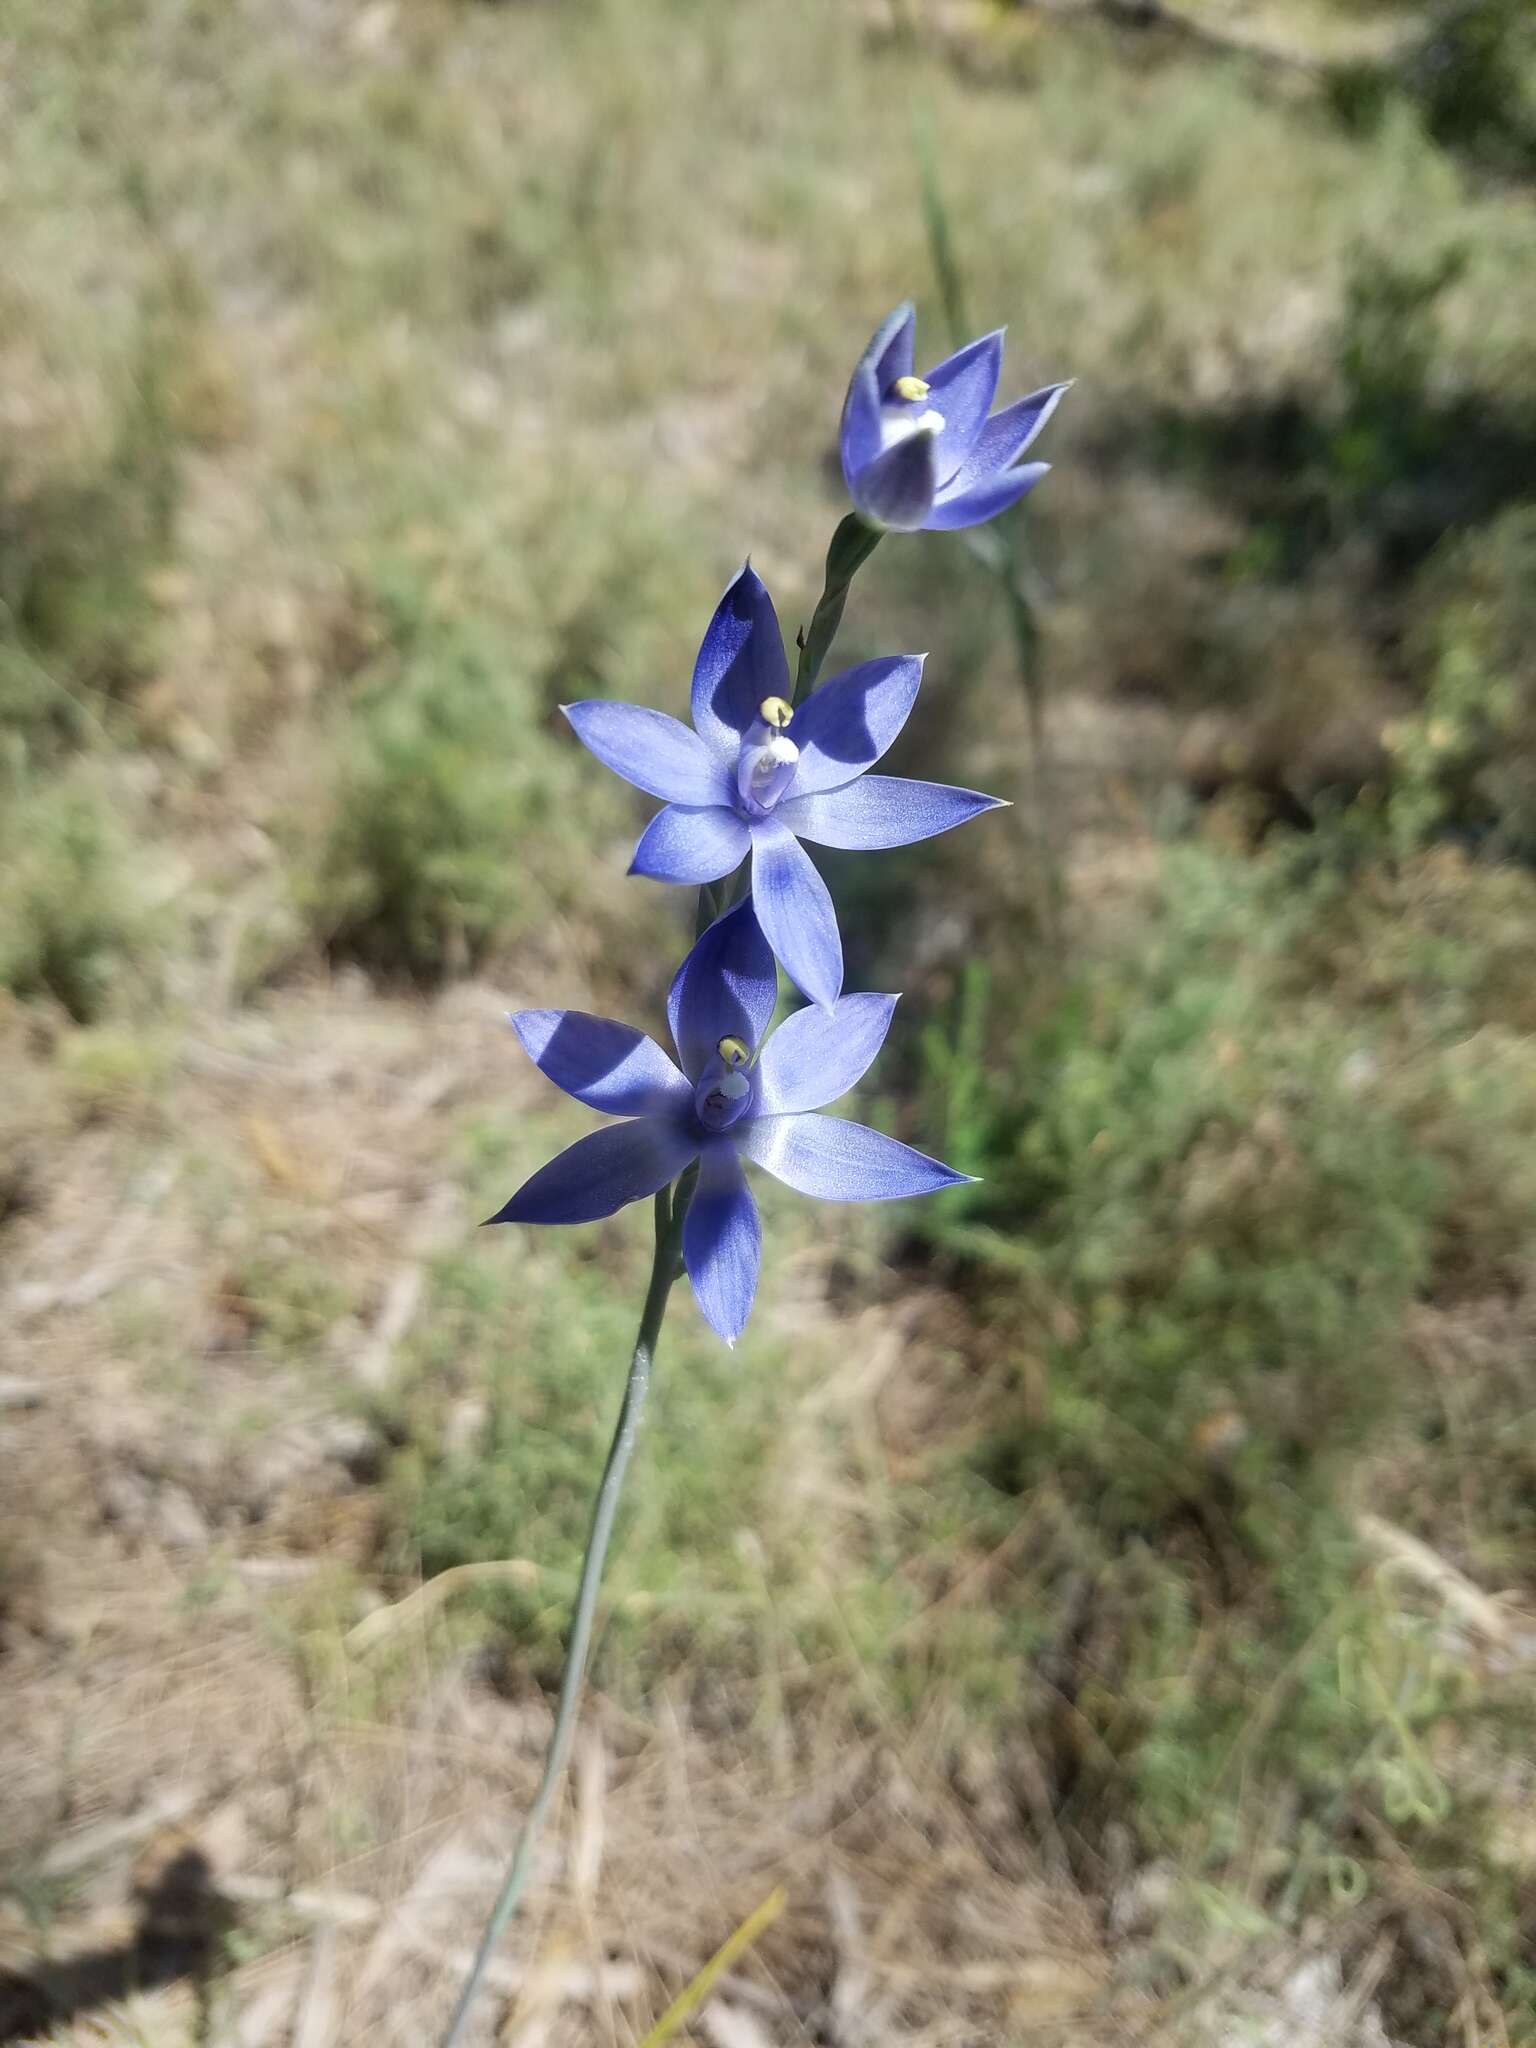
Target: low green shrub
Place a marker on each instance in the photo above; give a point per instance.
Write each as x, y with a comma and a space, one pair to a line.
76, 923
1465, 763
444, 833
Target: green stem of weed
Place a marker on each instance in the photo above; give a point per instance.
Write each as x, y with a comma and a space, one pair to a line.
665, 1268
850, 548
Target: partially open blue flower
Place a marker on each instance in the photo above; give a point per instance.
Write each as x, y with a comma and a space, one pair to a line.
755, 777
921, 451
740, 1094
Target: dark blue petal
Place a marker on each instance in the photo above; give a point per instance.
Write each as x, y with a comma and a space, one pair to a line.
723, 1241
845, 726
838, 1162
817, 1055
599, 1174
685, 845
651, 750
727, 987
985, 501
962, 389
741, 661
889, 354
882, 810
896, 489
796, 912
1005, 437
608, 1066
858, 436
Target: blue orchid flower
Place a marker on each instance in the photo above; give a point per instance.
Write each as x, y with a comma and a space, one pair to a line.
757, 777
921, 451
734, 1097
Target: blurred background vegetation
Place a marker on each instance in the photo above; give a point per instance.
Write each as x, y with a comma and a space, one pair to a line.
377, 375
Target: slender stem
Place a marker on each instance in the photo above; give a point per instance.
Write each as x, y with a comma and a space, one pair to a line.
664, 1271
850, 548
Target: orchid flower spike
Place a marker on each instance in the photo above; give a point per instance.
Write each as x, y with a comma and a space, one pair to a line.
738, 1094
756, 777
921, 451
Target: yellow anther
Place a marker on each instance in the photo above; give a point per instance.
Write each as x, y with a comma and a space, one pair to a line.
774, 711
912, 389
734, 1052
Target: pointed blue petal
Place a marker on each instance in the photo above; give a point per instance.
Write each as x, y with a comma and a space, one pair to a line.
839, 1162
962, 389
795, 912
985, 501
685, 845
741, 661
651, 750
1005, 437
817, 1055
896, 489
845, 726
889, 354
727, 987
599, 1174
723, 1241
858, 434
883, 810
606, 1065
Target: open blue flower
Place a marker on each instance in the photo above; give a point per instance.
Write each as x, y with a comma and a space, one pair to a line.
921, 451
755, 777
735, 1097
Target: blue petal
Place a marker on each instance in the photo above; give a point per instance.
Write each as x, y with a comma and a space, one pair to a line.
896, 489
741, 661
817, 1055
1005, 437
962, 389
845, 726
985, 501
684, 845
650, 750
889, 354
727, 987
858, 435
723, 1241
599, 1174
838, 1162
608, 1066
796, 912
883, 810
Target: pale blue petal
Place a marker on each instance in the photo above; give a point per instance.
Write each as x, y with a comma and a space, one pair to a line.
796, 912
840, 1162
727, 987
599, 1174
817, 1055
723, 1241
651, 750
606, 1065
685, 845
883, 810
896, 490
1005, 437
985, 501
741, 661
845, 726
962, 389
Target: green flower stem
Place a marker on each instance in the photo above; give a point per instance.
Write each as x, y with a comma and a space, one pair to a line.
851, 547
665, 1268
